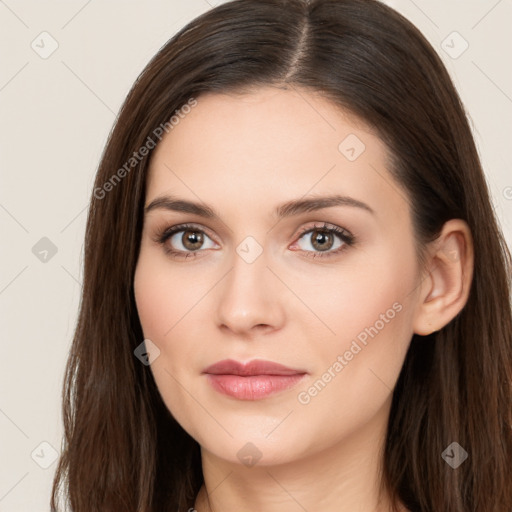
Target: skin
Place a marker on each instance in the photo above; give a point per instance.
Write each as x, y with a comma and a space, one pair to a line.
244, 155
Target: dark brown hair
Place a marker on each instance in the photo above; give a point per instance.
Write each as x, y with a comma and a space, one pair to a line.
122, 449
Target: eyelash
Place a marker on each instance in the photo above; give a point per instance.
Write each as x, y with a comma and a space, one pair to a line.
346, 237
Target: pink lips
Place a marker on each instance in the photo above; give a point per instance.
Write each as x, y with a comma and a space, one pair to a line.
252, 381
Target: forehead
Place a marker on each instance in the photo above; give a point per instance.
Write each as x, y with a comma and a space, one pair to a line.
268, 146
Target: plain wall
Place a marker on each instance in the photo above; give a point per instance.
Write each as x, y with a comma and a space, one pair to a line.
56, 113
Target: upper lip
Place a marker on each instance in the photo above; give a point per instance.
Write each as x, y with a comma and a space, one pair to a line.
255, 367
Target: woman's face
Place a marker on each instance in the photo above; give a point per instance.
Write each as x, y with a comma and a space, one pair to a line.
265, 275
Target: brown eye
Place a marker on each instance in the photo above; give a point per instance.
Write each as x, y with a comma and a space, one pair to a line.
192, 240
185, 241
322, 240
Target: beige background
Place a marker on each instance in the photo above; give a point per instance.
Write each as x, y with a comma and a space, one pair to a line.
55, 115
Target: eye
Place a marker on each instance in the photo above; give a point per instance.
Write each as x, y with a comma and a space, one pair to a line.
188, 240
327, 239
184, 240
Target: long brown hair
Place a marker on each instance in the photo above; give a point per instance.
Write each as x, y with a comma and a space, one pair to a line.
122, 449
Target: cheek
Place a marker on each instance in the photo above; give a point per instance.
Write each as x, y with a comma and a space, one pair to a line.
364, 298
164, 298
163, 301
163, 295
362, 308
370, 310
154, 306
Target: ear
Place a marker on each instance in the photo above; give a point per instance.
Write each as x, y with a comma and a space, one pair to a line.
445, 286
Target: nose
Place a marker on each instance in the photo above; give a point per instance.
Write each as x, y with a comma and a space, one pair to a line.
250, 298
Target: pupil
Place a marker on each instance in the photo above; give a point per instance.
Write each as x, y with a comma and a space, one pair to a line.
192, 239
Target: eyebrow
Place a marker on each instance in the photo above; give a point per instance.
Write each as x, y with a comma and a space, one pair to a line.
288, 209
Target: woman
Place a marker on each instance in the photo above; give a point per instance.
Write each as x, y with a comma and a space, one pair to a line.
296, 294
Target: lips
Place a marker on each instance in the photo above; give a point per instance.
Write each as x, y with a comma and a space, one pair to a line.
251, 381
256, 367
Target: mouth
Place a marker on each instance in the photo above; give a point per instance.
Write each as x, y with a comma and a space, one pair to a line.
255, 380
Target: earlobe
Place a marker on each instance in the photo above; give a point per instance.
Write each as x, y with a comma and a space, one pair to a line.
445, 289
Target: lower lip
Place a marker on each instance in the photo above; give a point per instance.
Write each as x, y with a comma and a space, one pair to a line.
253, 387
